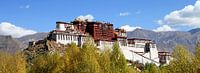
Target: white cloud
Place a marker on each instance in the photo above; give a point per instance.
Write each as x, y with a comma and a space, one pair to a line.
129, 28
85, 18
7, 28
188, 16
124, 14
164, 28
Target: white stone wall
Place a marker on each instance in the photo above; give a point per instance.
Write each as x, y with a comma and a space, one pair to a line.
61, 27
66, 39
151, 57
105, 45
136, 57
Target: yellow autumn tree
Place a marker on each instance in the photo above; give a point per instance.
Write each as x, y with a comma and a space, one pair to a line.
88, 61
104, 61
12, 63
20, 63
118, 61
197, 57
47, 63
150, 68
71, 59
182, 61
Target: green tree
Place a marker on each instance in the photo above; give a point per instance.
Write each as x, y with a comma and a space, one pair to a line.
118, 61
71, 59
150, 68
164, 69
47, 63
182, 61
88, 61
105, 62
65, 64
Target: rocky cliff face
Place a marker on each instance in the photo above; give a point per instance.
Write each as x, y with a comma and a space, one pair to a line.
42, 47
9, 44
35, 37
12, 45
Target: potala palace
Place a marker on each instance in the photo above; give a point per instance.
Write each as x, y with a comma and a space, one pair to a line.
104, 35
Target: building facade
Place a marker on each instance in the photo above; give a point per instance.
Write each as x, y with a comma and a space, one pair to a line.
104, 35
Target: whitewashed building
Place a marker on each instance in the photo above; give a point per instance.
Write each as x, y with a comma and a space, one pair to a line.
65, 33
134, 49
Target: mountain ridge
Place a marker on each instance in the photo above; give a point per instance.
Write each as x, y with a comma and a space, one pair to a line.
164, 40
169, 39
193, 31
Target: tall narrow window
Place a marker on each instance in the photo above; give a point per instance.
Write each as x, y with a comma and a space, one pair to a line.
71, 38
63, 37
57, 37
75, 38
147, 47
66, 37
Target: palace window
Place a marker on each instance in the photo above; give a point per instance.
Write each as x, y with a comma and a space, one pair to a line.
147, 47
71, 37
74, 38
140, 46
67, 37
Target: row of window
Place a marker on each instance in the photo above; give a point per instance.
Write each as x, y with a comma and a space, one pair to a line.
138, 41
67, 37
142, 45
122, 34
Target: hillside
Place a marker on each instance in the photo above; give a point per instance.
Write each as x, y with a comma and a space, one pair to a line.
9, 44
33, 37
12, 45
168, 40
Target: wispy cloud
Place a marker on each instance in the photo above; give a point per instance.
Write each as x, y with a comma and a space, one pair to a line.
124, 13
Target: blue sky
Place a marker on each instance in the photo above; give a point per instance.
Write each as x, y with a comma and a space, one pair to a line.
41, 15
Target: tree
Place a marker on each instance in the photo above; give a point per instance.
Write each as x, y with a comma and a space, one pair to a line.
71, 59
164, 69
5, 63
150, 68
20, 63
182, 61
197, 57
12, 63
47, 63
88, 61
105, 62
118, 61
